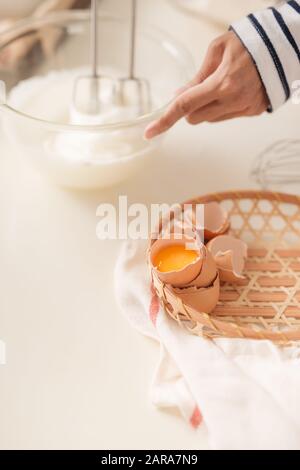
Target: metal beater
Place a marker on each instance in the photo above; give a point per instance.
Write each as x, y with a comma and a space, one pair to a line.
88, 98
134, 91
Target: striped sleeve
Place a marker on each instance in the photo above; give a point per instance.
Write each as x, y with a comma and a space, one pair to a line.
272, 37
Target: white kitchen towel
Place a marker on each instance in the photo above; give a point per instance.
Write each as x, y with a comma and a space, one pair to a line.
247, 392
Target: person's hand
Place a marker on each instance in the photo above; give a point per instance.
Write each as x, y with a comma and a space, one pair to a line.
227, 86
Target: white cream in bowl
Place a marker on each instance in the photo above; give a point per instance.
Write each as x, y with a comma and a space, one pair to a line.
77, 157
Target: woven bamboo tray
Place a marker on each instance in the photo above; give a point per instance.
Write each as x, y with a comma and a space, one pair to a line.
266, 305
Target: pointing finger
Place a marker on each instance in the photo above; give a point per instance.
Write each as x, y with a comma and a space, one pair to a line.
185, 104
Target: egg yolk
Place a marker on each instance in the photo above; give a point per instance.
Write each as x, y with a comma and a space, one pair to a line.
174, 258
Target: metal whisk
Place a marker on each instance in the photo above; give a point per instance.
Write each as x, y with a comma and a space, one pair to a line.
278, 164
87, 95
134, 91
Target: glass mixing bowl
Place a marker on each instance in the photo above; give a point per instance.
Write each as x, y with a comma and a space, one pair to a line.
37, 60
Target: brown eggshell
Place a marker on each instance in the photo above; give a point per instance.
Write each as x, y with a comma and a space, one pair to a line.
230, 254
202, 299
176, 222
165, 225
183, 276
208, 271
185, 228
216, 221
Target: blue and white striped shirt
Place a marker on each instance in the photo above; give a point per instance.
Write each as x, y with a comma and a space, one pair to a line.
272, 37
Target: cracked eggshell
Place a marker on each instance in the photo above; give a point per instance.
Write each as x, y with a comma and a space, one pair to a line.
230, 255
202, 299
177, 224
181, 277
208, 271
216, 220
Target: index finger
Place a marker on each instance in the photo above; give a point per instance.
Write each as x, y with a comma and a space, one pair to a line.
194, 98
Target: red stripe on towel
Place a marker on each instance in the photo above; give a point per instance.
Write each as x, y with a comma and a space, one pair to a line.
154, 306
196, 418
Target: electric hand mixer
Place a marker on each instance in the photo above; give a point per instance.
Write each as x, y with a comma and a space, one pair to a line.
88, 97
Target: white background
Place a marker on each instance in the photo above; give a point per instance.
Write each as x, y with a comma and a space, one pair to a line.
77, 376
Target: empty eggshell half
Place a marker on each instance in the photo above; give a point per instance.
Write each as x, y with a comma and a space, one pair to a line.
202, 299
183, 276
230, 254
216, 220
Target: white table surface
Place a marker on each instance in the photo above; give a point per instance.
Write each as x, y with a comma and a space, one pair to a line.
77, 376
